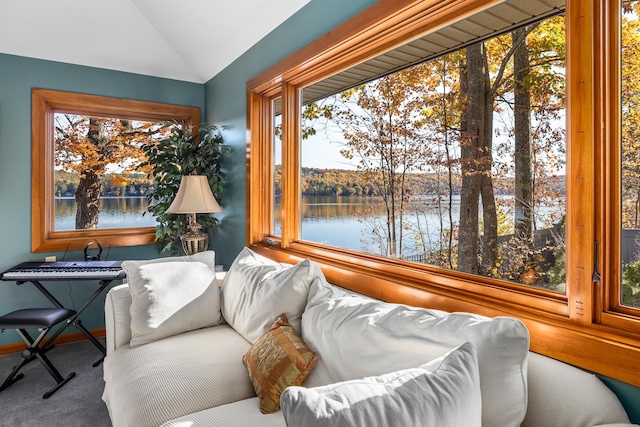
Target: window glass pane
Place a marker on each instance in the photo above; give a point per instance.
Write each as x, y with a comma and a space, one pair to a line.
97, 181
457, 162
276, 226
630, 114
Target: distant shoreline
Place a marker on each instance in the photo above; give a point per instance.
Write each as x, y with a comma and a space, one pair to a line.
102, 197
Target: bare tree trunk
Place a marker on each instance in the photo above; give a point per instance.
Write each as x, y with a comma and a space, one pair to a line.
87, 194
489, 213
391, 195
473, 84
522, 116
449, 165
87, 201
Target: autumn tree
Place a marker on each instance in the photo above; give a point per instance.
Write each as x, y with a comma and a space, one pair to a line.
90, 147
379, 126
441, 114
534, 94
499, 71
630, 97
478, 93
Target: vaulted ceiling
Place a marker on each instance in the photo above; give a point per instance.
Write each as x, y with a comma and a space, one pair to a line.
190, 40
193, 40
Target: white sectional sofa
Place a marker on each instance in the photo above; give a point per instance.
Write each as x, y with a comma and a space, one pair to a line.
180, 352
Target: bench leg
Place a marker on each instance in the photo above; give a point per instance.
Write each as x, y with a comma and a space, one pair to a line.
28, 354
12, 378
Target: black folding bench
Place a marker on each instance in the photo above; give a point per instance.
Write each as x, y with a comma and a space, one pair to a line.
42, 319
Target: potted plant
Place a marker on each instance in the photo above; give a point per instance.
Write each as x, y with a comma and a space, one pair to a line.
183, 152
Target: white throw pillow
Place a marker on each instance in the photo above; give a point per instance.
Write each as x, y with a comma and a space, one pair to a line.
171, 296
442, 393
256, 290
358, 337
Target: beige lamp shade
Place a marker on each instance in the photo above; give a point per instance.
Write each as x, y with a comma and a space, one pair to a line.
194, 196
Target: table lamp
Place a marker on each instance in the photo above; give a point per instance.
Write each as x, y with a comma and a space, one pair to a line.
194, 196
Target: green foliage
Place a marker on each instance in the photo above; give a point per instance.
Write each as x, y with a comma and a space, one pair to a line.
183, 152
631, 276
631, 284
557, 275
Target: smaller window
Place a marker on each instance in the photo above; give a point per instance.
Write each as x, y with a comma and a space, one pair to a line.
85, 184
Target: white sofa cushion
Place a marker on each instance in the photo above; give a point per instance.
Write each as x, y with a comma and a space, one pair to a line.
444, 393
175, 376
551, 383
117, 317
358, 337
172, 296
244, 413
256, 290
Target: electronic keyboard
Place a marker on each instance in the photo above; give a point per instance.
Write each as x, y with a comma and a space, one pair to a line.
62, 270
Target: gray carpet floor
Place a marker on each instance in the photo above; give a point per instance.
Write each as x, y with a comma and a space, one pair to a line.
77, 403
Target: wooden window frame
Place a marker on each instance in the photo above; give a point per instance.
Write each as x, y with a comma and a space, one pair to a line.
611, 312
584, 327
45, 103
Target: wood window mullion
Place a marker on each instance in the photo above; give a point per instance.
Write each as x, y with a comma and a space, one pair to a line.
290, 164
259, 159
580, 168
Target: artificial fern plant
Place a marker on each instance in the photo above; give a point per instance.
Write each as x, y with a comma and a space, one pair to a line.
183, 152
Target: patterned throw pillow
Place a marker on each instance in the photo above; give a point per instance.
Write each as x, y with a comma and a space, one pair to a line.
278, 359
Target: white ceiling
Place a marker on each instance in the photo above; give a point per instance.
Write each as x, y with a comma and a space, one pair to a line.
190, 40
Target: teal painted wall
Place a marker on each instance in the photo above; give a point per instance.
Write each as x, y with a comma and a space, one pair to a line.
226, 104
628, 395
18, 76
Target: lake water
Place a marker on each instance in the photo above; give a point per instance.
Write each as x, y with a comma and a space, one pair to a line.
342, 221
115, 212
346, 222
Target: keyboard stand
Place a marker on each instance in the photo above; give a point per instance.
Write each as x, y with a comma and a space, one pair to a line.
73, 320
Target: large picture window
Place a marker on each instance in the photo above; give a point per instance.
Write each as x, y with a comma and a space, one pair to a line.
86, 182
466, 156
397, 167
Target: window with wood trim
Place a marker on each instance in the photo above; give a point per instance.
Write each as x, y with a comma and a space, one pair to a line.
84, 154
566, 81
399, 166
619, 166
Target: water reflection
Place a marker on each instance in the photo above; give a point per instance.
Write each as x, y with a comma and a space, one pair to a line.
342, 220
115, 212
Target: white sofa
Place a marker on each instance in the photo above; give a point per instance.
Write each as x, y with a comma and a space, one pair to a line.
177, 372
